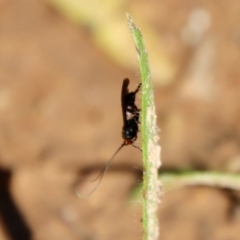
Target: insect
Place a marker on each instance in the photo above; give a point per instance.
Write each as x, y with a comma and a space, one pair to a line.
130, 114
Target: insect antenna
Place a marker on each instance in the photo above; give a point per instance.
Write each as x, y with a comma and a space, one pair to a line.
99, 178
137, 147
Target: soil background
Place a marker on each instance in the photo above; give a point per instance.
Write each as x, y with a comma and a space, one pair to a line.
60, 121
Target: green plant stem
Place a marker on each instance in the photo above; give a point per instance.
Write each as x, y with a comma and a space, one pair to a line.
203, 178
150, 148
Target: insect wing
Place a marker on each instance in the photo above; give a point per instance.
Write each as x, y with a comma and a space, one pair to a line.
123, 99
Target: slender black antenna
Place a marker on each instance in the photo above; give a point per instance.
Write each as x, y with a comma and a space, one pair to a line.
99, 178
109, 162
137, 147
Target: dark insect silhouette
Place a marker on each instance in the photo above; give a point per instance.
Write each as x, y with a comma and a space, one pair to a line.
130, 113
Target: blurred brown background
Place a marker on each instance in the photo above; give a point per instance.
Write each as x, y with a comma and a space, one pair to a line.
61, 70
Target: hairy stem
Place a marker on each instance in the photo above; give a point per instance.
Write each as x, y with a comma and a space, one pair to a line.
150, 147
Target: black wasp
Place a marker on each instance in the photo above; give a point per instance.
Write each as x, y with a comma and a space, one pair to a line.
130, 113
